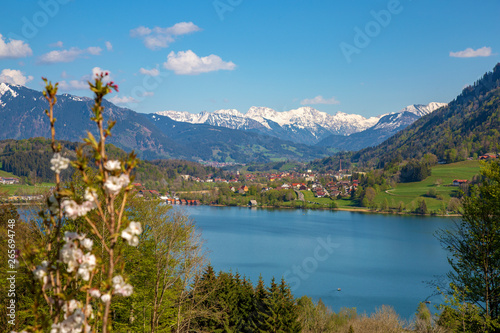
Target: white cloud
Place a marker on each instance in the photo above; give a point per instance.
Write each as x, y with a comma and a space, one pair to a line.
156, 42
158, 37
94, 50
140, 31
67, 55
471, 53
97, 71
109, 46
14, 76
181, 28
57, 44
150, 72
14, 48
74, 85
148, 93
188, 63
319, 100
82, 84
122, 100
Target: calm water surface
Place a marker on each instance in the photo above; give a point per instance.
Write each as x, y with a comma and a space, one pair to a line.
374, 259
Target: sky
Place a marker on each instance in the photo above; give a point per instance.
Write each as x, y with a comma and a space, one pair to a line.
367, 57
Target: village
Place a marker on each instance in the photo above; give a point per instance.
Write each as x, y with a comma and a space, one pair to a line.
333, 184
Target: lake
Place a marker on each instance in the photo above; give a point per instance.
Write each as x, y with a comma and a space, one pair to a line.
374, 259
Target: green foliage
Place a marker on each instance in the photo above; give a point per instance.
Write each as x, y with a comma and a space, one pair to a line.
421, 207
30, 158
415, 171
239, 307
474, 245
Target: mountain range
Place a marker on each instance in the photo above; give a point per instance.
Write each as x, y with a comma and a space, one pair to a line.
151, 136
260, 135
309, 126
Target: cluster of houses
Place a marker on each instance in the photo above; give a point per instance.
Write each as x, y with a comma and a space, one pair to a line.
25, 198
9, 180
177, 201
144, 193
488, 157
342, 187
458, 182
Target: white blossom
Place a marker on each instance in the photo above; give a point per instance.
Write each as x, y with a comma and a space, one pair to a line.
114, 184
41, 272
113, 165
87, 243
88, 263
90, 195
71, 255
73, 210
121, 288
72, 324
96, 293
106, 298
71, 306
124, 290
117, 280
59, 163
131, 232
89, 312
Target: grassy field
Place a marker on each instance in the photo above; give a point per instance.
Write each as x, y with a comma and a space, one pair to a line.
309, 196
440, 180
6, 174
17, 189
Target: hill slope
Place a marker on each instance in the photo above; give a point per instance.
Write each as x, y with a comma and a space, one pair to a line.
468, 125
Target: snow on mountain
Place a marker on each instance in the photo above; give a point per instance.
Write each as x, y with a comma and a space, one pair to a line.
393, 121
406, 116
230, 118
182, 116
304, 118
310, 118
305, 124
4, 88
422, 109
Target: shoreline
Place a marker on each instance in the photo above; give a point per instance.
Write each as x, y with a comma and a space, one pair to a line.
345, 209
363, 210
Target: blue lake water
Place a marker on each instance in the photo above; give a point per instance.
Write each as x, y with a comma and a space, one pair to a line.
374, 259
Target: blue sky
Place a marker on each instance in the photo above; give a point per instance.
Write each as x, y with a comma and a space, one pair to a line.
366, 57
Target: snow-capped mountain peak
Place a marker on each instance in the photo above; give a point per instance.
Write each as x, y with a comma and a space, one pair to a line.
5, 88
229, 112
422, 109
304, 124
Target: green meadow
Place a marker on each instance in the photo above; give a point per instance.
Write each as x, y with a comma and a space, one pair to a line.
441, 181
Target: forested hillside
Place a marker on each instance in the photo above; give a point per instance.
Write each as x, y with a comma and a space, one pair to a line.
30, 159
469, 126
